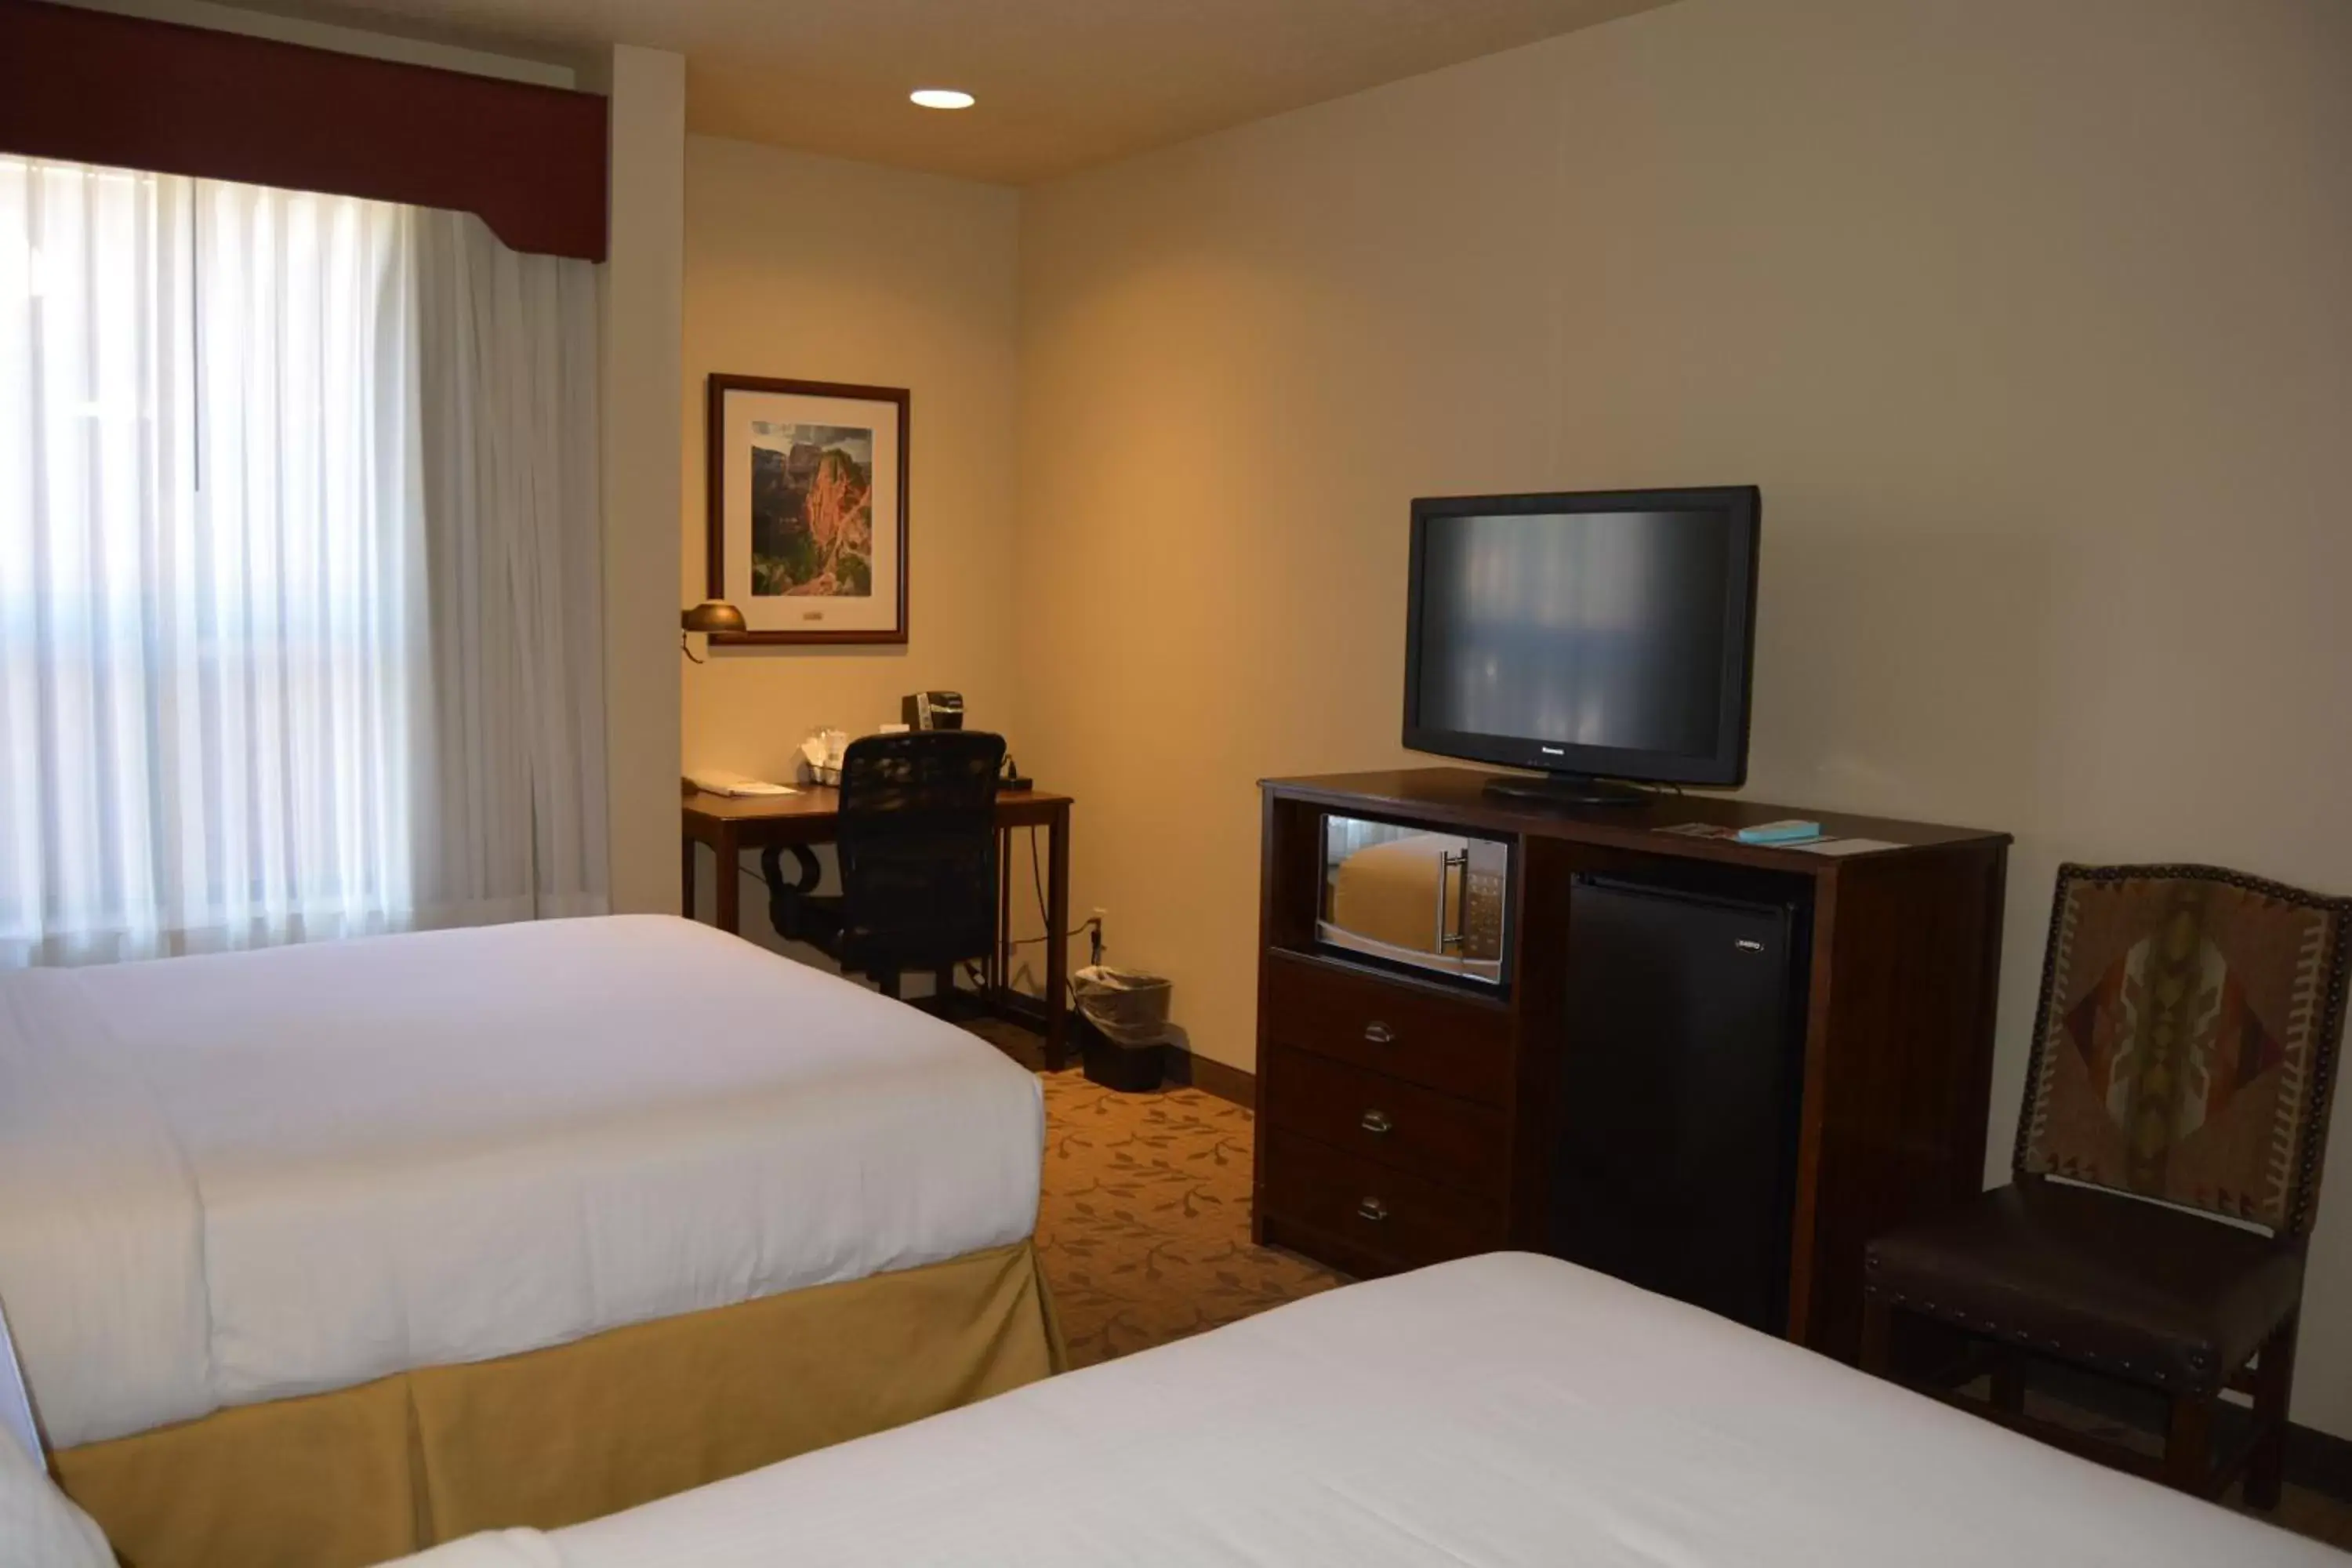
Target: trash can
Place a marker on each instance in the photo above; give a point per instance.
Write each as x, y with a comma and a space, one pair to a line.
1122, 1026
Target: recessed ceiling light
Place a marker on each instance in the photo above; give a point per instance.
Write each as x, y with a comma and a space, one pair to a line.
941, 97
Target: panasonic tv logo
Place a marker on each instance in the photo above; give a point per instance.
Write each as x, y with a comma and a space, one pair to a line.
1553, 751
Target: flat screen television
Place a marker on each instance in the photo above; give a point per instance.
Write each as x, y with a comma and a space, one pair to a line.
1600, 636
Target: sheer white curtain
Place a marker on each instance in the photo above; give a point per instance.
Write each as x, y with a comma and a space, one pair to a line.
513, 821
260, 683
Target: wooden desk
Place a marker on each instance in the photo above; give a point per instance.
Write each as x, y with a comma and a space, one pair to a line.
732, 824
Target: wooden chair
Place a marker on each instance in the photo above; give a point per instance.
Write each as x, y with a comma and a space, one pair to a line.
2183, 1054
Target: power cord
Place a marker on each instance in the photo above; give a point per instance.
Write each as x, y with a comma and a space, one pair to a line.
1092, 924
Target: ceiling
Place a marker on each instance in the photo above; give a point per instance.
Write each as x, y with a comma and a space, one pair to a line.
1062, 84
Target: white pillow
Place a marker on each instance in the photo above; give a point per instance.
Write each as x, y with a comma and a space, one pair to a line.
40, 1526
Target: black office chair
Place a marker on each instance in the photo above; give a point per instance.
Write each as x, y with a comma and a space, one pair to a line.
918, 847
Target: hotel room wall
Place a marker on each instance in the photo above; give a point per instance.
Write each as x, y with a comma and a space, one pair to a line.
2029, 319
823, 269
642, 285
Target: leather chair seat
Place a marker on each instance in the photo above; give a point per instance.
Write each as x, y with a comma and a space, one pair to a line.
2126, 1287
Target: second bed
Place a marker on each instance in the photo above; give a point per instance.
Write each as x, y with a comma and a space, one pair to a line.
1503, 1412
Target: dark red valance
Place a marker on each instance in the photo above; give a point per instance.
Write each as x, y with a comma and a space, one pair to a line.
97, 88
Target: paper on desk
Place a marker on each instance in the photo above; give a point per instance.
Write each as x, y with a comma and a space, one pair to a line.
730, 785
1839, 845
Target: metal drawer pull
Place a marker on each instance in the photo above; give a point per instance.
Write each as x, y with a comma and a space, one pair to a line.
1373, 1209
1377, 1121
1378, 1033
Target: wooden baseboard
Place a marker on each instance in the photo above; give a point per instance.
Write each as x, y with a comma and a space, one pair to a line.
1182, 1068
1210, 1077
2315, 1461
2319, 1460
1014, 1006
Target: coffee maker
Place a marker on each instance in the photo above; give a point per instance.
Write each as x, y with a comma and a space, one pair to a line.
932, 709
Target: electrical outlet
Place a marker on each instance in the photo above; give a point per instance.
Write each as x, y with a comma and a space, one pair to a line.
1097, 915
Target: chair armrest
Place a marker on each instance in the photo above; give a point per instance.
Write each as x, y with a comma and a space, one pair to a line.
772, 868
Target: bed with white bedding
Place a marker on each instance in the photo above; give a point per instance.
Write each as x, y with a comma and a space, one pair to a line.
240, 1178
1501, 1410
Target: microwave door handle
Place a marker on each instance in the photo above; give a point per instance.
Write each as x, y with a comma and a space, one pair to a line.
1437, 940
1459, 862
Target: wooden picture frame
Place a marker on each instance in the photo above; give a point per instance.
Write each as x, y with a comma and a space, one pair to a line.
807, 505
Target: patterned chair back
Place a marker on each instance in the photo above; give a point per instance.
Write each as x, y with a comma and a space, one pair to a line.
2187, 1040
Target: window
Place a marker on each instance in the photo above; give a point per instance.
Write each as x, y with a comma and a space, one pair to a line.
208, 556
299, 593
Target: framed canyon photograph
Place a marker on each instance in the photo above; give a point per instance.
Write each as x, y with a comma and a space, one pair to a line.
808, 509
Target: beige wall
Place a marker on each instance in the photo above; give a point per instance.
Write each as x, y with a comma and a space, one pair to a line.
2031, 321
819, 269
642, 283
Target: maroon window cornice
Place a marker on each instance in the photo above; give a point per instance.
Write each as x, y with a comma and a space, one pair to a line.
97, 88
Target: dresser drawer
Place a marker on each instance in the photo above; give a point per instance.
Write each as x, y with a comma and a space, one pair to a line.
1386, 1120
1455, 1044
1403, 1218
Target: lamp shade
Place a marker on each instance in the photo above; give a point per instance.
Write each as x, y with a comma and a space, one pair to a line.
711, 615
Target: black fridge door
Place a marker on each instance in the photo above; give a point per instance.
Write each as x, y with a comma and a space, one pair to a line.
1675, 1159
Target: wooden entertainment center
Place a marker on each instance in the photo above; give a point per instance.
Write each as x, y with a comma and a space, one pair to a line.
1407, 1117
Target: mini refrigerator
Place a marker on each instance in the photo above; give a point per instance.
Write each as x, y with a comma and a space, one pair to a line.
1678, 1087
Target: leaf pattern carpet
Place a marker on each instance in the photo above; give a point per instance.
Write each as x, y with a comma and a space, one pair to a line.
1144, 1225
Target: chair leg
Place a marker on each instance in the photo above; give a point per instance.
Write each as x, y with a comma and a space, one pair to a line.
2273, 1384
943, 986
887, 981
1877, 1336
2189, 1444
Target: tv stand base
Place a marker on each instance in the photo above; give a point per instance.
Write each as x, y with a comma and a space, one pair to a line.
1568, 789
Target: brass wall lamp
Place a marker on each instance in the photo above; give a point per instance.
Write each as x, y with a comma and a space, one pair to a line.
708, 616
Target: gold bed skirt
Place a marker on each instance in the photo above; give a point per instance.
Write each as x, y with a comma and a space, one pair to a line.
557, 1436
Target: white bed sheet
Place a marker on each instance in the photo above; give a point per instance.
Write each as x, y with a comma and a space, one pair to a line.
242, 1177
1506, 1410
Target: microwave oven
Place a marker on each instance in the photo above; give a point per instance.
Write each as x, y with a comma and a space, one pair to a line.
1417, 898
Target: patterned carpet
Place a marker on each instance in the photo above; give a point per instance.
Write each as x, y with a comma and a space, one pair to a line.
1144, 1229
1144, 1225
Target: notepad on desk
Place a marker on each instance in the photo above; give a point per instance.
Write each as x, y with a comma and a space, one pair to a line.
718, 780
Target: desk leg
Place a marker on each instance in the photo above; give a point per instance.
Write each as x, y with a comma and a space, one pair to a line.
1000, 968
685, 876
1057, 942
728, 894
